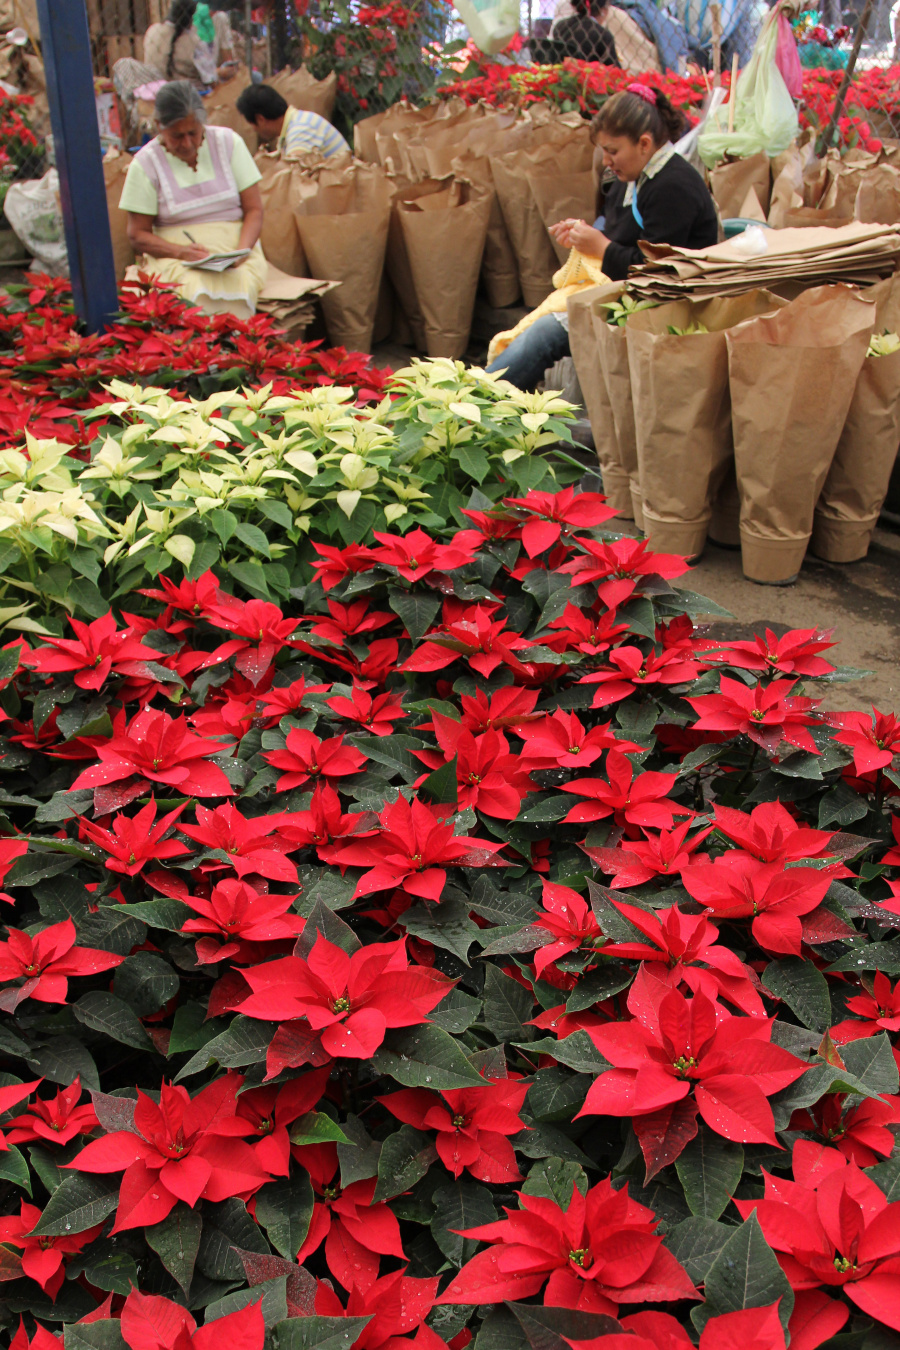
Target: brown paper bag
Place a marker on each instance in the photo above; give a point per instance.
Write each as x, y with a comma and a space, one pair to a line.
729, 184
364, 133
444, 233
342, 216
564, 197
221, 109
682, 413
115, 167
397, 259
857, 483
878, 196
499, 269
792, 377
787, 184
589, 369
303, 91
845, 175
280, 238
621, 475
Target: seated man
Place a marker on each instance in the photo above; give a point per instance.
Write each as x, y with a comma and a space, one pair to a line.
290, 131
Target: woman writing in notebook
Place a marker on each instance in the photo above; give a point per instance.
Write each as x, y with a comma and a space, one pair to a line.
193, 193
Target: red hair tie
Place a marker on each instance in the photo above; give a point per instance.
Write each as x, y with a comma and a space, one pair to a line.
643, 91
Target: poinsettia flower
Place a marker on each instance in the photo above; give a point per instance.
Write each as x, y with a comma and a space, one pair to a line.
260, 632
396, 1304
639, 860
795, 653
570, 921
508, 707
96, 650
135, 840
236, 913
769, 832
324, 823
473, 1125
41, 964
348, 621
890, 859
874, 1011
583, 631
10, 850
775, 898
767, 713
158, 749
305, 757
41, 1340
475, 636
874, 740
833, 1226
287, 700
43, 1258
415, 554
549, 513
270, 1110
747, 1329
494, 525
349, 1002
356, 1232
186, 596
337, 563
178, 1149
628, 799
54, 1120
253, 844
629, 669
560, 740
598, 1252
412, 852
151, 1322
10, 1097
621, 567
675, 1046
860, 1131
488, 777
375, 715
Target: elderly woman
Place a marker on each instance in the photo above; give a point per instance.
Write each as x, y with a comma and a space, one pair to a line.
191, 193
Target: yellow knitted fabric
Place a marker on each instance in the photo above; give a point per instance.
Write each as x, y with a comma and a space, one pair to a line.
576, 273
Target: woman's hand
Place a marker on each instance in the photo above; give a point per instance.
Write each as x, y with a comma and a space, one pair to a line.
562, 231
588, 241
192, 252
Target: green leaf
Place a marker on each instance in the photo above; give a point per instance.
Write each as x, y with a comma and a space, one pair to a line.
190, 1029
284, 1208
224, 524
416, 612
106, 1013
440, 786
317, 1333
271, 1293
425, 1056
61, 1058
456, 1012
316, 1127
696, 1243
599, 984
253, 537
576, 1051
445, 925
553, 1328
709, 1169
146, 982
473, 461
555, 1180
556, 1095
167, 914
745, 1274
176, 1241
228, 1230
106, 1335
507, 1006
14, 1168
546, 810
78, 1203
500, 1331
35, 866
110, 1269
460, 1205
803, 988
405, 1158
887, 1176
245, 1042
872, 1063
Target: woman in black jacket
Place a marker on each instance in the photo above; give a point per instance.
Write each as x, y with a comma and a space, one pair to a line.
583, 35
655, 196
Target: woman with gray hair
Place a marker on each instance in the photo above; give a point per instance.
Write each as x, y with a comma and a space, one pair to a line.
191, 193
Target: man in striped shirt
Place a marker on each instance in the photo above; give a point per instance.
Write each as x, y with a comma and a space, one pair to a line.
292, 131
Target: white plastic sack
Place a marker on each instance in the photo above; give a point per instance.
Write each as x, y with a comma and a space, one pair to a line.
32, 209
765, 118
491, 23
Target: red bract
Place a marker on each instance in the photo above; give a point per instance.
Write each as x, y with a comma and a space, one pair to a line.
861, 1132
323, 823
337, 563
41, 1340
55, 1120
620, 567
488, 777
833, 1226
396, 1305
560, 740
10, 1097
41, 965
765, 713
550, 512
629, 669
347, 1001
412, 851
347, 621
600, 1251
677, 1045
633, 800
181, 1149
42, 1257
236, 913
270, 1110
771, 833
738, 886
10, 850
473, 1125
415, 554
475, 636
306, 757
97, 650
567, 917
874, 740
135, 840
287, 699
583, 632
878, 1010
792, 654
260, 630
375, 715
638, 860
252, 844
356, 1232
495, 712
158, 749
149, 1322
185, 596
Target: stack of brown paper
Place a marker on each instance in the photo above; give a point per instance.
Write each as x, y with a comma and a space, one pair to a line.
854, 253
290, 301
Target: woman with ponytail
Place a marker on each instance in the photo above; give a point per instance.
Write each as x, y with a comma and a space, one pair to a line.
651, 194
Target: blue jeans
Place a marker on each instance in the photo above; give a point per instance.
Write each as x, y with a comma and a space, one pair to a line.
532, 352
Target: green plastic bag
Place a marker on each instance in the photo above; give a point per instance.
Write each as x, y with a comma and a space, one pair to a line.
491, 23
765, 118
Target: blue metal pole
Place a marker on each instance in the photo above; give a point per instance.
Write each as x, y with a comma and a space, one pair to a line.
66, 47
